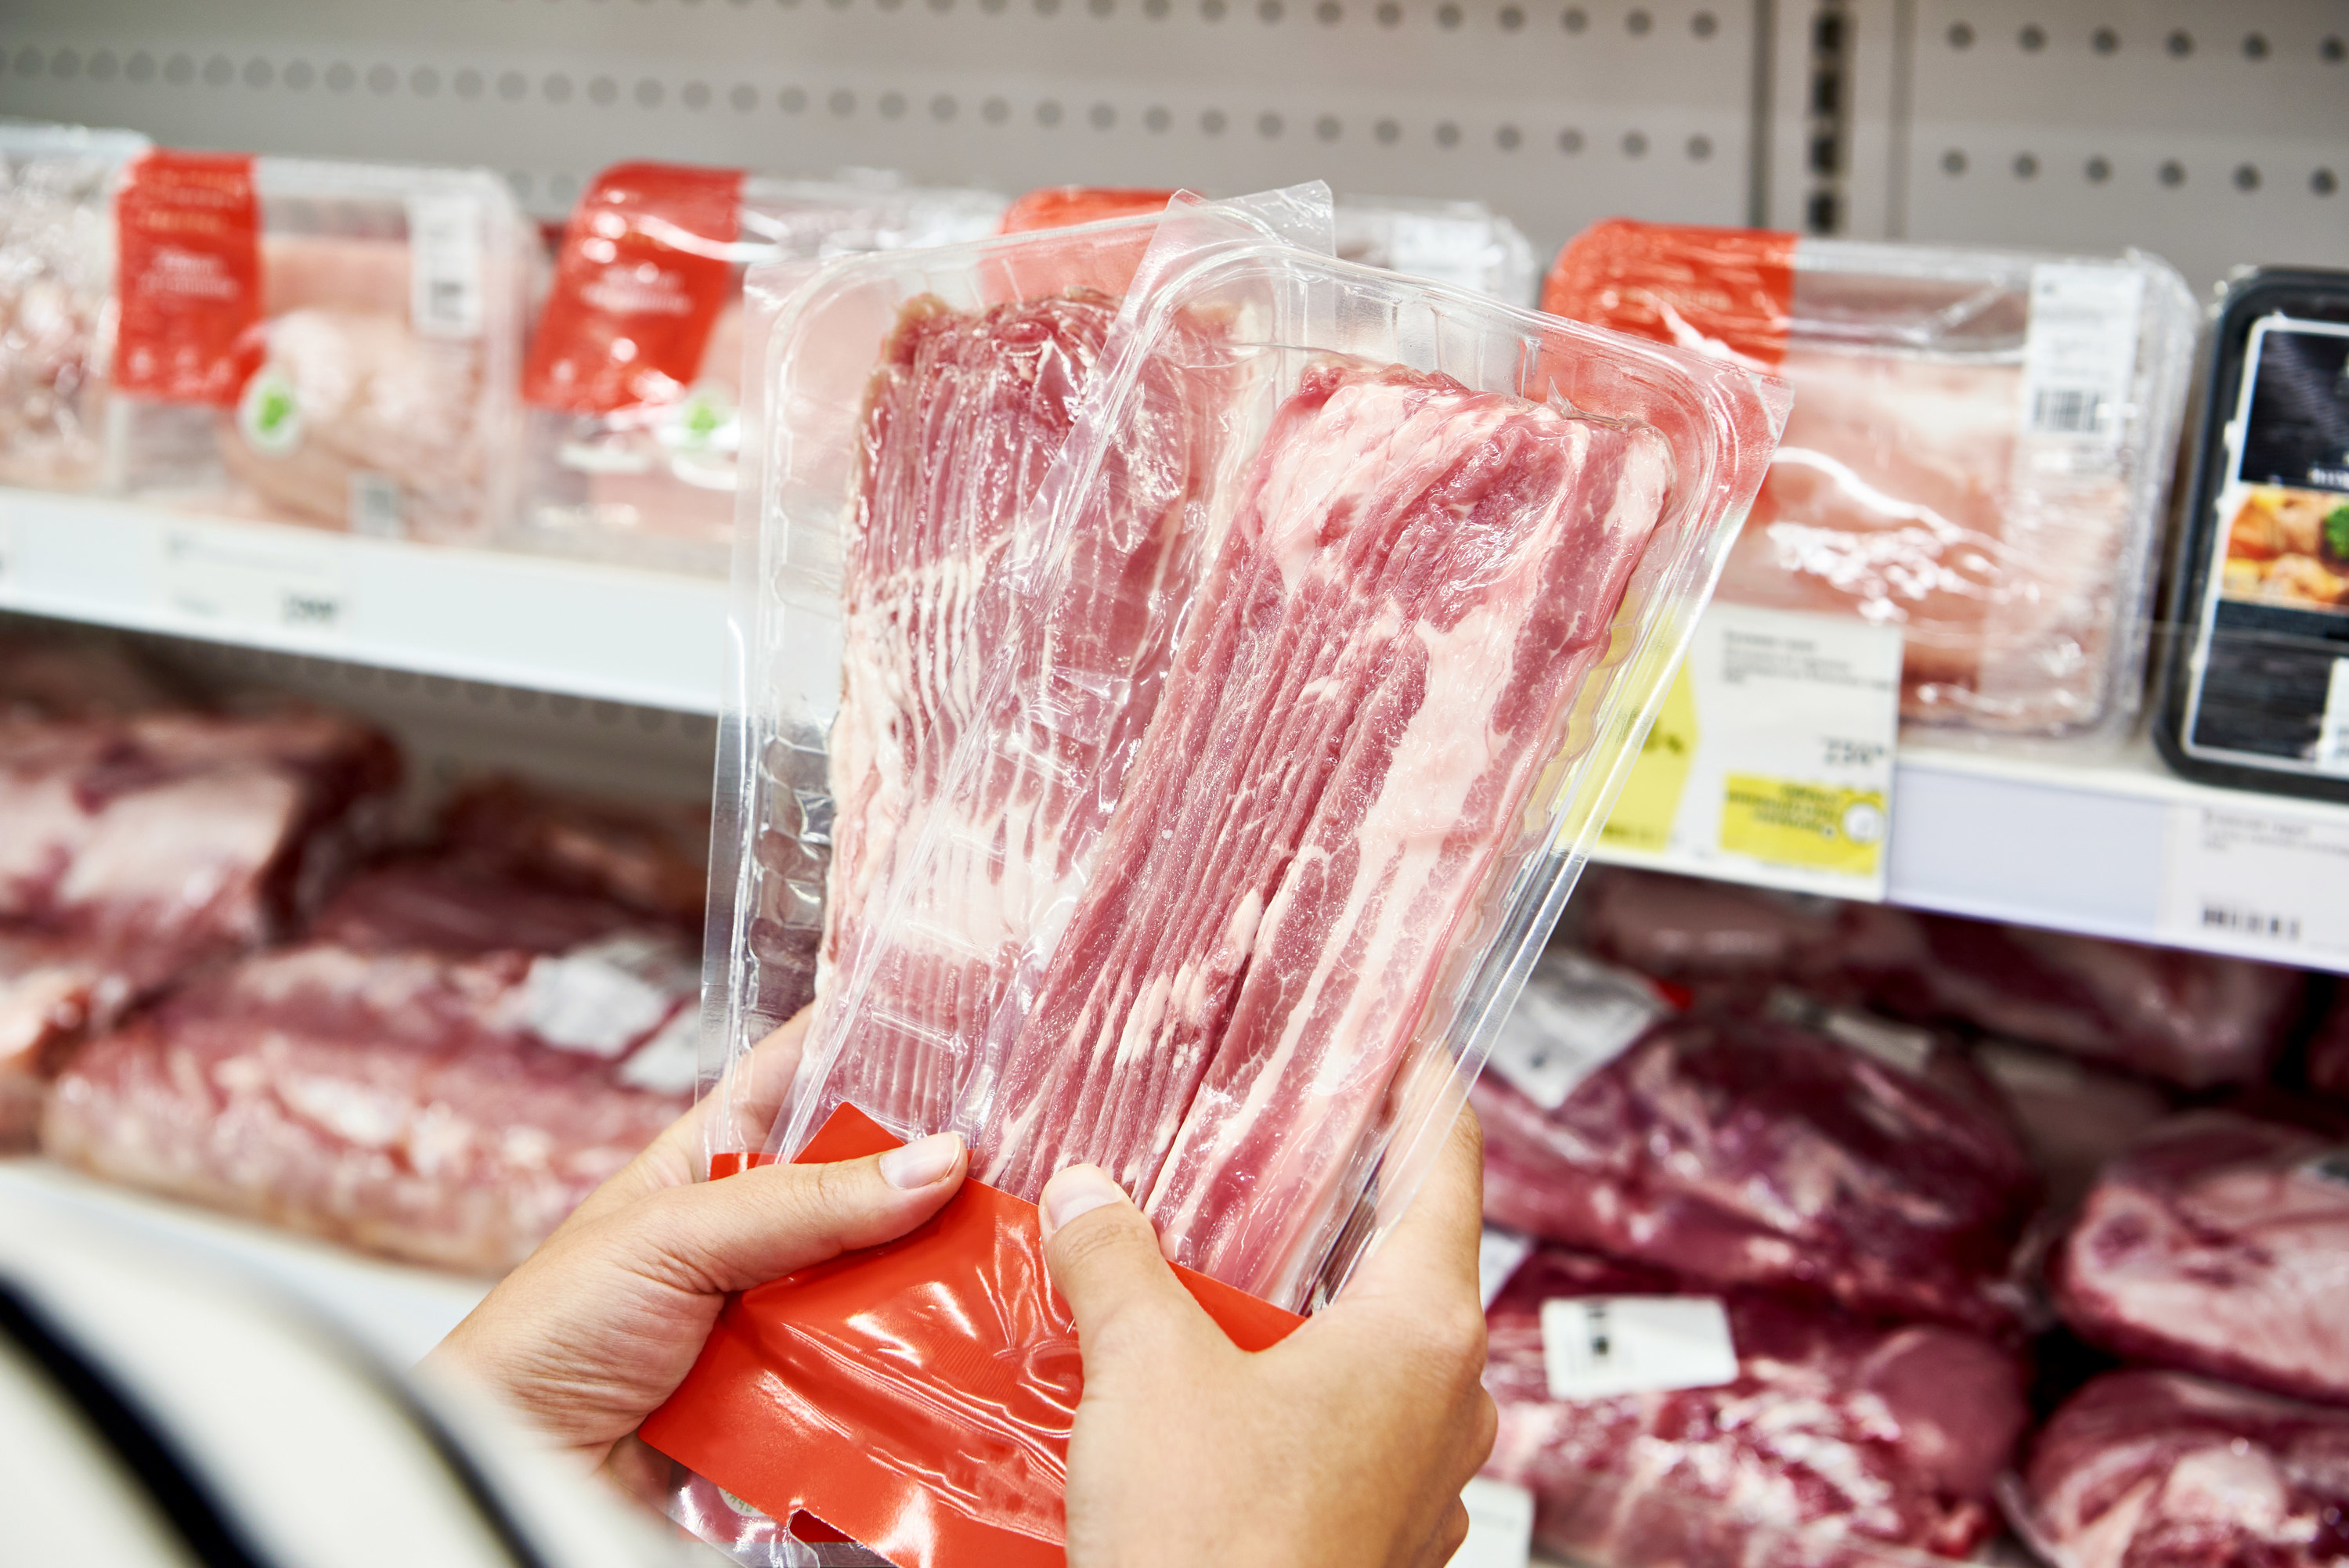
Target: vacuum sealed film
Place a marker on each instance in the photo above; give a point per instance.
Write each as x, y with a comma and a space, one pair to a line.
334, 344
1979, 454
634, 377
2257, 686
1110, 653
57, 299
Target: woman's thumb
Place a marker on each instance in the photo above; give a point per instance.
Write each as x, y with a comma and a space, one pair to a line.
1106, 1261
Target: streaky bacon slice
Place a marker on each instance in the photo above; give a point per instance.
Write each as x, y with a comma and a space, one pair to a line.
1416, 581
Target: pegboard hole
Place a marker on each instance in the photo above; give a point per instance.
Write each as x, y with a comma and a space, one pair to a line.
1213, 10
1512, 17
1328, 129
1387, 132
2246, 177
468, 83
1048, 113
1575, 19
1269, 125
1961, 36
140, 68
743, 97
649, 93
842, 102
1639, 24
603, 92
1704, 24
892, 106
511, 84
2099, 171
2026, 166
103, 65
2255, 47
1213, 122
1508, 137
1569, 141
381, 79
219, 71
792, 100
2173, 173
2323, 183
1390, 14
1635, 144
2332, 50
1101, 116
2179, 44
2105, 41
1448, 17
2033, 38
943, 107
1328, 13
1157, 118
995, 111
257, 72
1700, 148
1953, 162
1268, 11
1447, 134
342, 79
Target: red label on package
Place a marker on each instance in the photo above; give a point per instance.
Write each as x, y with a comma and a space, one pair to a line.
1712, 290
1065, 206
916, 1396
645, 270
189, 277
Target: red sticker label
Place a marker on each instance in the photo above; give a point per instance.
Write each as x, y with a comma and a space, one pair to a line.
188, 232
1691, 286
643, 271
1065, 206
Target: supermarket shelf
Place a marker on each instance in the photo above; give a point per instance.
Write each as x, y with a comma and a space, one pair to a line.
398, 1310
586, 630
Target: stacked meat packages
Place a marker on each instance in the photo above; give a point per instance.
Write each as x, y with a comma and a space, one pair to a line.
1980, 448
460, 1046
57, 284
142, 841
1893, 1159
635, 374
1219, 635
334, 345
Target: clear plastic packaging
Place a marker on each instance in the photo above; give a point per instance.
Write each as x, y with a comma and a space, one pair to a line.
634, 375
57, 299
1764, 1433
1980, 451
1462, 242
333, 345
1523, 518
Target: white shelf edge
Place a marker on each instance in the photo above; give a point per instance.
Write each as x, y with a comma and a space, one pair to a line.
581, 628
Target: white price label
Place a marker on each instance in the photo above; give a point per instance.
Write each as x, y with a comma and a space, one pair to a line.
1595, 1347
1498, 1253
444, 265
2260, 880
291, 584
1771, 761
1500, 1526
2079, 352
1574, 1017
2331, 734
375, 506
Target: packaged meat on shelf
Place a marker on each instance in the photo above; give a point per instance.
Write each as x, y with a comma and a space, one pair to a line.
140, 846
2220, 1244
2194, 1019
2258, 580
1463, 242
56, 287
2156, 1469
1980, 450
1319, 645
455, 1052
1661, 1427
1737, 1149
2328, 1047
334, 344
634, 375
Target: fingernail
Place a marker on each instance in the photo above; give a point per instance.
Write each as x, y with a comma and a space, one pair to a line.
921, 1162
1079, 1190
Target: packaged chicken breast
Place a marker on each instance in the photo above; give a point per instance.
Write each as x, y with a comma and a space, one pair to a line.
1462, 242
57, 298
1202, 676
1979, 453
333, 345
2255, 693
635, 373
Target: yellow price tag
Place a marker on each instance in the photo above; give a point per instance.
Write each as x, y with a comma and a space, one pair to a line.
1822, 827
1644, 811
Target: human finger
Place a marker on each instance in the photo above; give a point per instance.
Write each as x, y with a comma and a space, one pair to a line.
1105, 1263
1432, 1248
762, 1225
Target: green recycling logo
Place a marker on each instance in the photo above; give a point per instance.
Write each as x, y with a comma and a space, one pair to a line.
268, 414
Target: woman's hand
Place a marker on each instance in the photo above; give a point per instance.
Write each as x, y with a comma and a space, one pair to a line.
599, 1326
1346, 1444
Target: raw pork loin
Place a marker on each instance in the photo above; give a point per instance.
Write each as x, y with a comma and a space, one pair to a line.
2153, 1469
1739, 1151
2328, 1047
441, 1071
1416, 581
2220, 1244
1838, 1439
137, 848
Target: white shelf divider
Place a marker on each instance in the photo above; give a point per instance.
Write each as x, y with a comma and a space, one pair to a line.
650, 638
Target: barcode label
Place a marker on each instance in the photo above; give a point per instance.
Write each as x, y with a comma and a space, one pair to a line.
2237, 922
1595, 1347
1574, 1017
2079, 353
444, 265
375, 506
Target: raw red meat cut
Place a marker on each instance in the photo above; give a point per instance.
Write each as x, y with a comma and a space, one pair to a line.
2328, 1047
653, 856
1841, 1442
962, 420
2220, 1244
82, 678
441, 1071
2153, 1469
2194, 1019
1315, 810
1694, 932
137, 849
1738, 1150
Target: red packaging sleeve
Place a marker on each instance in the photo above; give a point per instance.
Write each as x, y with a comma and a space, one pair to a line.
1683, 284
643, 274
1061, 206
917, 1396
188, 271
